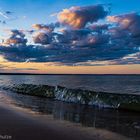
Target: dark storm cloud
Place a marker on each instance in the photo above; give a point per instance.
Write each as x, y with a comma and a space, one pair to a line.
68, 36
114, 42
68, 54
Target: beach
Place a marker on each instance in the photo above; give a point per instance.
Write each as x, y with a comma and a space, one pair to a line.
21, 124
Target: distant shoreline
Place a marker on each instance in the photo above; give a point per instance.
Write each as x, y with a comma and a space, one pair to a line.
62, 74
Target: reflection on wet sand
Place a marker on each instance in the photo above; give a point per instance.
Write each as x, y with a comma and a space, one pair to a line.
122, 122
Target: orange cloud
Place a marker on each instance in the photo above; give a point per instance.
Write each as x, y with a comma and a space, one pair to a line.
78, 17
124, 22
46, 28
69, 17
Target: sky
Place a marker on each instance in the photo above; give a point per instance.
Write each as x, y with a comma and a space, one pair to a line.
70, 36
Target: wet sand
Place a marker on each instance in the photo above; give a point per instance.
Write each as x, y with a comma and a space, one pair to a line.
21, 124
21, 127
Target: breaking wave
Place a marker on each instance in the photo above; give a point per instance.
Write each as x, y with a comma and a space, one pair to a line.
79, 96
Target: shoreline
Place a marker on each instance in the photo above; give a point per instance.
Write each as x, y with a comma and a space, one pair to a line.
24, 124
125, 74
21, 125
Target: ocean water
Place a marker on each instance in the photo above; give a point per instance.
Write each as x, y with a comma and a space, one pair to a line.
122, 122
128, 84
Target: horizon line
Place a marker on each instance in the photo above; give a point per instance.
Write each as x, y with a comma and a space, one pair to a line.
12, 73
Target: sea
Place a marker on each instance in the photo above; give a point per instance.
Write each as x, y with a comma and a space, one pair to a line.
128, 84
121, 122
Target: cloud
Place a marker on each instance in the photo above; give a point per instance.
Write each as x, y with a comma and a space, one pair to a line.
78, 17
129, 22
46, 27
91, 41
99, 27
68, 53
114, 42
68, 36
72, 47
128, 59
17, 37
41, 38
43, 33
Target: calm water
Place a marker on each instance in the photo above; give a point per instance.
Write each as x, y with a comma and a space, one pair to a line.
121, 122
129, 84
